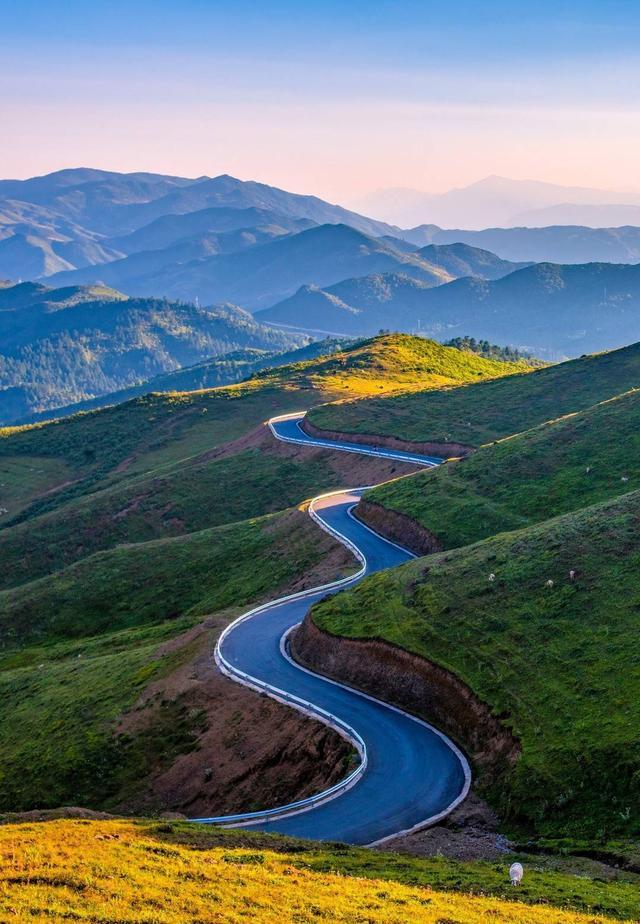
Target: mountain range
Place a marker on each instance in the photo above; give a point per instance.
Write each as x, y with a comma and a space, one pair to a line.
303, 263
258, 276
555, 244
84, 219
60, 346
554, 310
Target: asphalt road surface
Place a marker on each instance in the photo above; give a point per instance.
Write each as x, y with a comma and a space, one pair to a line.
413, 774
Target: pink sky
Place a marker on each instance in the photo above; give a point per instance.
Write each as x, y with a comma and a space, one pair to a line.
325, 99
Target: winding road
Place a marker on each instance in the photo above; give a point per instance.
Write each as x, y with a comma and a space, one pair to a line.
408, 774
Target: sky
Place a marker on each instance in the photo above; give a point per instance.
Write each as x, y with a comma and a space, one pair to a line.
332, 98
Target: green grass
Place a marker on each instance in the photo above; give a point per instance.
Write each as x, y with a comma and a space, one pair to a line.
22, 480
154, 431
79, 646
555, 468
563, 883
558, 663
180, 500
58, 715
478, 413
145, 434
150, 582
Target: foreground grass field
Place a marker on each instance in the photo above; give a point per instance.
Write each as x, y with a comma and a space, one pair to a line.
121, 871
555, 468
485, 411
555, 657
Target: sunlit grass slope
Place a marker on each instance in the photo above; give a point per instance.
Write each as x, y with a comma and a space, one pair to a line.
558, 662
400, 362
137, 472
118, 871
156, 430
557, 467
485, 411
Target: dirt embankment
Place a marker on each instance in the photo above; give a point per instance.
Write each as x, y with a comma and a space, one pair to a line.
415, 684
443, 450
398, 527
249, 751
352, 469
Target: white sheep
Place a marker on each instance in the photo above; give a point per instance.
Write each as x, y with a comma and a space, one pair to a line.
492, 576
516, 872
549, 583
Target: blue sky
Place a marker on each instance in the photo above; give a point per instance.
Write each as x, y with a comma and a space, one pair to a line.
333, 98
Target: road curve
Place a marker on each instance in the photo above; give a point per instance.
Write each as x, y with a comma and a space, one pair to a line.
408, 774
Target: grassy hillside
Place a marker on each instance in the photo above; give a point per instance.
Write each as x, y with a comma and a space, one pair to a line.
400, 362
79, 646
558, 662
146, 433
552, 469
154, 532
179, 500
213, 373
485, 411
114, 871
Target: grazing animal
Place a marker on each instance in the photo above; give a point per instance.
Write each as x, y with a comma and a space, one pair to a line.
549, 583
492, 576
516, 872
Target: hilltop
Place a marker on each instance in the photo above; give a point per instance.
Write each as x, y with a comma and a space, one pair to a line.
481, 412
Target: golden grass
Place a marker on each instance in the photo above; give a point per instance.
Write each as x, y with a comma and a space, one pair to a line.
118, 871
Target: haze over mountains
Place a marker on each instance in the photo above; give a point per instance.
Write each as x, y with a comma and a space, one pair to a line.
500, 201
296, 262
82, 218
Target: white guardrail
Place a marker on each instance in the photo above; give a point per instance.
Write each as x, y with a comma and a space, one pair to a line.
308, 708
307, 440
